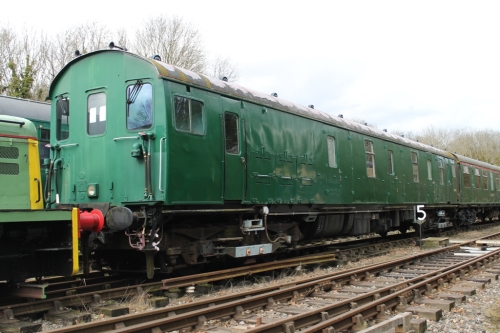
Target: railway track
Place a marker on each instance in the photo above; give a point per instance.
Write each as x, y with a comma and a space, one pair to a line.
403, 281
99, 289
339, 251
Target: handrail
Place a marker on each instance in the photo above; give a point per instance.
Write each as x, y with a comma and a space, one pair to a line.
161, 159
20, 123
68, 145
126, 138
38, 187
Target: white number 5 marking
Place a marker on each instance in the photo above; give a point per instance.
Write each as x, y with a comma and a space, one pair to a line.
421, 211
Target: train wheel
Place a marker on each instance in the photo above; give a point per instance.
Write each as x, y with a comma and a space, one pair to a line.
348, 224
150, 263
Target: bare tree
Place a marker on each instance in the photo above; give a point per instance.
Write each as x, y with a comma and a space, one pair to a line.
482, 145
9, 50
437, 137
36, 45
92, 36
84, 38
361, 121
121, 38
22, 61
223, 67
175, 41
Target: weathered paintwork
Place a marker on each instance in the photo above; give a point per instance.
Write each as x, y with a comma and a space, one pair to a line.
19, 165
34, 242
484, 181
193, 168
282, 157
38, 113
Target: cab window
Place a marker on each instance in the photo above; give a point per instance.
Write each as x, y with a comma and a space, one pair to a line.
188, 115
139, 106
96, 114
62, 118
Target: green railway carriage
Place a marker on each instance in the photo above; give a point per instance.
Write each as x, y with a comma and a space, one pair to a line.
189, 169
33, 242
39, 114
479, 187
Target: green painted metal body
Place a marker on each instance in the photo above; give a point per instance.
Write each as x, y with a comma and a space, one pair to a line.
193, 169
39, 114
14, 166
33, 242
14, 216
282, 156
483, 184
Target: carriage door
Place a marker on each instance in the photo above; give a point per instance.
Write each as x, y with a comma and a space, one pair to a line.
234, 150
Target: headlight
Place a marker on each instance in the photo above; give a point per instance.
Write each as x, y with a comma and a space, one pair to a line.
93, 190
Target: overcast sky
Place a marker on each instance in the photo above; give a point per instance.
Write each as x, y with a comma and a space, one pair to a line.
399, 65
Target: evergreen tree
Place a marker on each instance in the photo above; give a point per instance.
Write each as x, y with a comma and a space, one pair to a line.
21, 85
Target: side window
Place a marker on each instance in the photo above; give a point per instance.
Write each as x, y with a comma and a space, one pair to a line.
477, 180
485, 179
390, 161
370, 159
231, 131
492, 182
44, 135
139, 106
96, 114
453, 170
441, 171
188, 115
497, 178
62, 118
332, 157
466, 176
414, 162
429, 170
43, 152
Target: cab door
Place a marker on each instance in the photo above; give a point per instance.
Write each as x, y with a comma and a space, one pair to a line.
441, 188
233, 126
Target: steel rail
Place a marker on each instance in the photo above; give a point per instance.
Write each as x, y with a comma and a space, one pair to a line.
74, 297
191, 314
